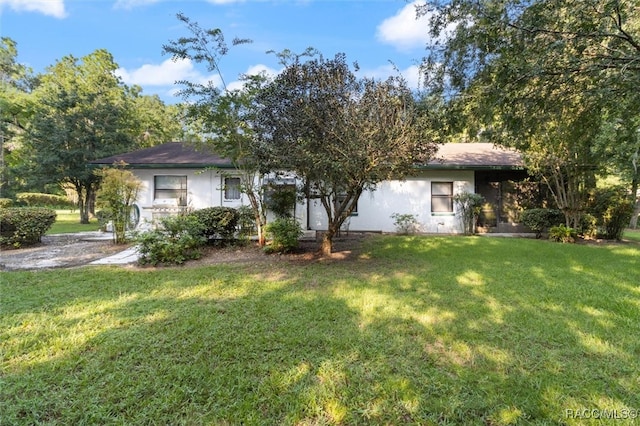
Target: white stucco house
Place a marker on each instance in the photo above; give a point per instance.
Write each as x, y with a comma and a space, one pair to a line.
175, 176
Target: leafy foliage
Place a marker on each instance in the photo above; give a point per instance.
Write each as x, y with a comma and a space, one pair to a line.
20, 226
562, 234
540, 219
176, 240
82, 111
612, 209
469, 207
218, 222
338, 133
556, 79
281, 200
285, 235
406, 224
225, 116
118, 191
36, 199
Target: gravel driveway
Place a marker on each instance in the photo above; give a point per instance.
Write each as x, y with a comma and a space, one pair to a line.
60, 251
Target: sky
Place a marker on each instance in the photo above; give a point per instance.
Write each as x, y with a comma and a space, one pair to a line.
380, 35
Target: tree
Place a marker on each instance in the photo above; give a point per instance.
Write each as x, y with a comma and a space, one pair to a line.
16, 107
118, 191
81, 116
340, 134
222, 116
152, 122
538, 75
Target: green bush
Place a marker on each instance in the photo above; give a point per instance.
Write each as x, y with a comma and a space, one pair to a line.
588, 226
176, 240
469, 207
562, 234
24, 225
538, 220
5, 203
217, 222
284, 234
613, 209
246, 221
406, 224
36, 199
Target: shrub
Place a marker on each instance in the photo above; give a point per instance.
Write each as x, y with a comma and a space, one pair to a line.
612, 209
36, 199
5, 203
217, 222
118, 191
246, 221
588, 226
562, 234
24, 225
406, 224
176, 240
538, 220
285, 235
469, 206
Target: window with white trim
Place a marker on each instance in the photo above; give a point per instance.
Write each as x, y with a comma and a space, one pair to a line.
170, 188
231, 188
441, 197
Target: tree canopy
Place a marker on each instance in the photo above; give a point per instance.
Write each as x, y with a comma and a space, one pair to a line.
545, 76
339, 133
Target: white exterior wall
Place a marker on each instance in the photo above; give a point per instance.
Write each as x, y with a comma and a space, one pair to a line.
411, 196
204, 189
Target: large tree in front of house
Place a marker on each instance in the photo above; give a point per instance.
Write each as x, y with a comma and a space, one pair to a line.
81, 115
223, 117
339, 133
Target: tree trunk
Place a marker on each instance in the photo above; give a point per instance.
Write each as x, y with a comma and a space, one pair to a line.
326, 247
633, 223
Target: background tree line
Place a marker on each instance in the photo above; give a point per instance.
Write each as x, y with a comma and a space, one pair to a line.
53, 124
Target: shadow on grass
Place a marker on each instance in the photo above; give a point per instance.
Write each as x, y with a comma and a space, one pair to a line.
419, 331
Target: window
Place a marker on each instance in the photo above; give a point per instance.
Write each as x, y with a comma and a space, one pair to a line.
340, 198
171, 187
442, 197
231, 188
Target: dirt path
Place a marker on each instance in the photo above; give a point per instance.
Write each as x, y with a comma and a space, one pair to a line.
59, 251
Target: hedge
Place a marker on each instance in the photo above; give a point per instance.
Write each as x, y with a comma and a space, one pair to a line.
24, 225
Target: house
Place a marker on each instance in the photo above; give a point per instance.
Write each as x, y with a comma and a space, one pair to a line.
175, 176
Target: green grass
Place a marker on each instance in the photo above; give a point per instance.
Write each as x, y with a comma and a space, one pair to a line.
417, 330
69, 222
632, 235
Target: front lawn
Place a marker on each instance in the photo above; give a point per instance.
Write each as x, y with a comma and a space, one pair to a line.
413, 330
69, 222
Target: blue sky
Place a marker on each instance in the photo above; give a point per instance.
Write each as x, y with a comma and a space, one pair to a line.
375, 33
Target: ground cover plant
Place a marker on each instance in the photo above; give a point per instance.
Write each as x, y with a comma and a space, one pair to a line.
408, 330
68, 221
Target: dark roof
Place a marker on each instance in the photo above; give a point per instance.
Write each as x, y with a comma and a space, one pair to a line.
168, 155
475, 156
470, 156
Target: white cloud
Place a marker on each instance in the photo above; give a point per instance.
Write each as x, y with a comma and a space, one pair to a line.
165, 74
53, 8
403, 30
